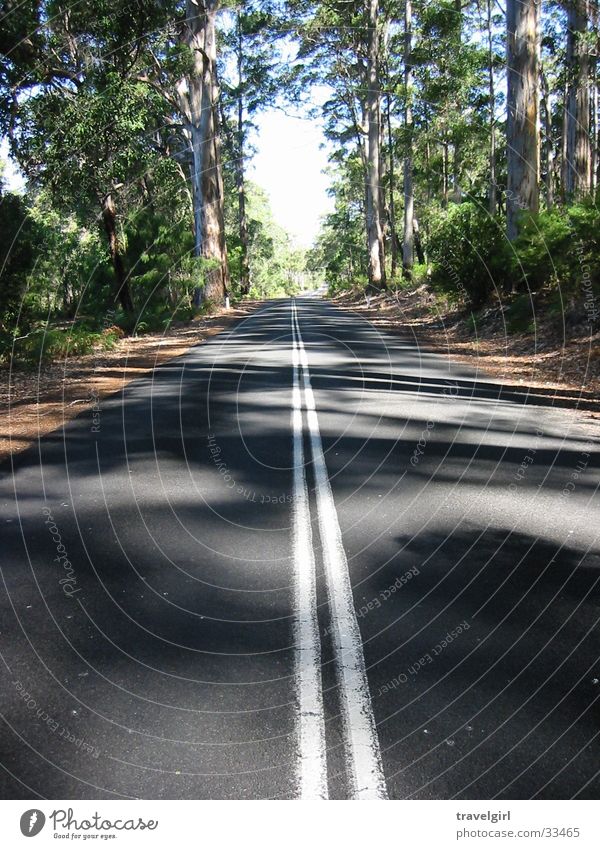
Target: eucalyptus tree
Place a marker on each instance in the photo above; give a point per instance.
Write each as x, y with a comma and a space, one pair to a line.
373, 120
80, 123
251, 80
342, 46
491, 63
449, 85
197, 94
577, 159
409, 215
522, 106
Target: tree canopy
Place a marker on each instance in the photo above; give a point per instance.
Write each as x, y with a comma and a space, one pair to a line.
463, 142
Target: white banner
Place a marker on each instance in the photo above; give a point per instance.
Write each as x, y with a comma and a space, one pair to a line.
279, 825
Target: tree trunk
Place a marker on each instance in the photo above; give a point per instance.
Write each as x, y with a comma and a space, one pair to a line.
408, 241
362, 151
445, 174
221, 278
522, 53
456, 143
548, 148
199, 104
594, 102
563, 146
240, 166
109, 218
577, 115
374, 217
418, 244
394, 236
456, 171
493, 191
594, 130
430, 188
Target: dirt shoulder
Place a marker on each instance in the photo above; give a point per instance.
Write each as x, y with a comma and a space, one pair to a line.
35, 403
563, 363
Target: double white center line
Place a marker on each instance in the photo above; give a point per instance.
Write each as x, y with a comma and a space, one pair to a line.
362, 755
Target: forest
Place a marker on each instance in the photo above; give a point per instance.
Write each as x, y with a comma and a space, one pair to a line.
462, 140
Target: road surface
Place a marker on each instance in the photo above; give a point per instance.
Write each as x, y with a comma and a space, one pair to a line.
304, 560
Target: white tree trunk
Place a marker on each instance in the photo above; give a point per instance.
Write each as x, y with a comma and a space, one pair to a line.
374, 223
577, 168
594, 126
492, 193
522, 55
198, 96
408, 241
546, 103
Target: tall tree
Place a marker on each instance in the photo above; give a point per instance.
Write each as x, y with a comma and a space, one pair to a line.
547, 140
342, 48
198, 94
240, 159
522, 131
250, 82
409, 224
577, 160
391, 165
492, 191
80, 123
594, 98
373, 116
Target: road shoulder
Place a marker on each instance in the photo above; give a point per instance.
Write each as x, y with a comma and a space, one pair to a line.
34, 403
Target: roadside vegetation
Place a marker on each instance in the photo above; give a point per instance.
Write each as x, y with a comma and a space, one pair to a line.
463, 141
488, 158
132, 128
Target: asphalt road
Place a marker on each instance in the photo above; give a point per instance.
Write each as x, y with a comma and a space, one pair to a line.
305, 559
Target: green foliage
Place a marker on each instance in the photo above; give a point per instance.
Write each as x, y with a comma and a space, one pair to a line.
419, 276
90, 100
18, 237
519, 315
86, 124
560, 248
469, 254
277, 268
555, 260
45, 344
72, 271
154, 318
51, 264
543, 248
83, 144
158, 242
340, 249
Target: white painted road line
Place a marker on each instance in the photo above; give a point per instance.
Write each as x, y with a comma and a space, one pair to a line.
312, 767
362, 753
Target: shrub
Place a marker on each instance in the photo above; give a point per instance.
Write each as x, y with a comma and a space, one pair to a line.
45, 344
543, 255
18, 236
519, 315
561, 248
469, 254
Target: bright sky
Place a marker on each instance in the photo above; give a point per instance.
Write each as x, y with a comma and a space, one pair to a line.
289, 166
11, 176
